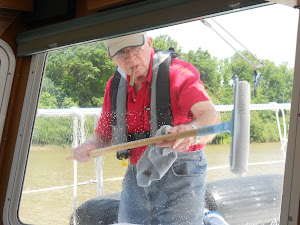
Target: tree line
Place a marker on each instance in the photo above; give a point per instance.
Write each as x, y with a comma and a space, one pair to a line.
77, 76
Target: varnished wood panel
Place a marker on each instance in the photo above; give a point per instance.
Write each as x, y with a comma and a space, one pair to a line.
7, 17
107, 4
82, 10
23, 5
12, 124
7, 144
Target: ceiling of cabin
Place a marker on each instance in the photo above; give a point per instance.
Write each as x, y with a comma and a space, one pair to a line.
7, 16
10, 10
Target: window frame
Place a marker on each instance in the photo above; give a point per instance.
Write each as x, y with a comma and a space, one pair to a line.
290, 200
291, 186
7, 70
20, 158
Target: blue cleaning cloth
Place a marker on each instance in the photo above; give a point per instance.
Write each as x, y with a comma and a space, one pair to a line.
155, 161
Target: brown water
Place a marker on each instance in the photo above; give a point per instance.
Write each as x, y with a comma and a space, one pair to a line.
48, 167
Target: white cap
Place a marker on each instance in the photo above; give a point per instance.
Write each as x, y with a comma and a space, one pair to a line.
115, 45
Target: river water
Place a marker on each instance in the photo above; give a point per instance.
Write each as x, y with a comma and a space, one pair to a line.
48, 169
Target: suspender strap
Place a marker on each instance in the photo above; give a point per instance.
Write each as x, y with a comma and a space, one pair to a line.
160, 106
119, 98
138, 136
163, 101
113, 96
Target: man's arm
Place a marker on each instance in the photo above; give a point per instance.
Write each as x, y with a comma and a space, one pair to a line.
205, 115
81, 152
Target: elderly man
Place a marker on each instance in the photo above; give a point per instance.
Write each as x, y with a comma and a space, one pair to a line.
131, 110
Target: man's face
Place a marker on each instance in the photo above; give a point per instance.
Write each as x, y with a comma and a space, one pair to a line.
136, 56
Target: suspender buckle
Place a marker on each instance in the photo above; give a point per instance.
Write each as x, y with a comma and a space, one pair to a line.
125, 154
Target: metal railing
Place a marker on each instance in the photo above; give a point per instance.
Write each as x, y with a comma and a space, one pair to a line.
78, 116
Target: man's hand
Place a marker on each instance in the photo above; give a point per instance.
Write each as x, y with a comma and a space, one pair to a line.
179, 145
205, 115
81, 152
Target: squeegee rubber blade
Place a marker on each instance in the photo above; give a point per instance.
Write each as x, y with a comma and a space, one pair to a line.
239, 152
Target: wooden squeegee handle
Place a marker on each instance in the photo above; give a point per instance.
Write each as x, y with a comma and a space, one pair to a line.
142, 142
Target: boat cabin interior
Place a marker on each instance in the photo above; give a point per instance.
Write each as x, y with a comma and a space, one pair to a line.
31, 29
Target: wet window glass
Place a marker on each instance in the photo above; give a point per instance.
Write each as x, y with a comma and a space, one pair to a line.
223, 49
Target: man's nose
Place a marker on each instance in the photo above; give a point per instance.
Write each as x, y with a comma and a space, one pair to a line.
129, 55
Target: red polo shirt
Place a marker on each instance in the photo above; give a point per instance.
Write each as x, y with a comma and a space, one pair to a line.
186, 89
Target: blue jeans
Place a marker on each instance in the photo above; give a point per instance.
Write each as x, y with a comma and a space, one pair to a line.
177, 198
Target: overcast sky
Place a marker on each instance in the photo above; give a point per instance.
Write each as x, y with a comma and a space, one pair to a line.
269, 32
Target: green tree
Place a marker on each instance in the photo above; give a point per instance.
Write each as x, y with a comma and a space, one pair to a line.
68, 103
164, 42
241, 69
225, 94
53, 131
207, 67
81, 73
276, 83
50, 87
47, 101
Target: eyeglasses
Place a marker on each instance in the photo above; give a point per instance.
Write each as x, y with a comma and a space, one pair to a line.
121, 55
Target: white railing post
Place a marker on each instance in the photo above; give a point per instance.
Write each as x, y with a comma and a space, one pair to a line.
82, 130
284, 139
99, 174
74, 145
98, 166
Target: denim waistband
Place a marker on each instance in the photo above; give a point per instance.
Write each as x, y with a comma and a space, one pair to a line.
182, 155
190, 155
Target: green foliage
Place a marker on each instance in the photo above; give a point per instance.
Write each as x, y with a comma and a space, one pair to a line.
58, 130
164, 42
47, 101
207, 67
77, 76
240, 68
79, 73
262, 127
68, 103
277, 82
53, 131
